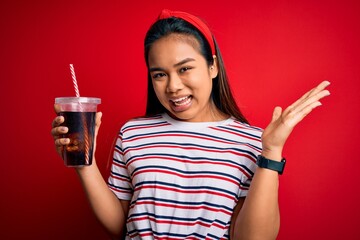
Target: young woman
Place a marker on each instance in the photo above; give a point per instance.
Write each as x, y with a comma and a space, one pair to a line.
192, 168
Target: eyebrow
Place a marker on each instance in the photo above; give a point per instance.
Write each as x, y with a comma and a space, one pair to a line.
186, 60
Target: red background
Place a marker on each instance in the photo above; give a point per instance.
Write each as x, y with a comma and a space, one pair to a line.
274, 51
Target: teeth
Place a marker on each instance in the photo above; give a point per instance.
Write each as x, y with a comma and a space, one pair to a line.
182, 101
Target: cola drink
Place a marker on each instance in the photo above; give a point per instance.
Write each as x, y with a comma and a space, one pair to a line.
81, 127
79, 116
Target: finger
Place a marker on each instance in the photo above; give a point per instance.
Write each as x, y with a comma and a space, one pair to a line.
98, 117
304, 112
57, 121
293, 115
307, 99
276, 114
57, 131
97, 126
311, 93
62, 142
319, 88
310, 101
57, 108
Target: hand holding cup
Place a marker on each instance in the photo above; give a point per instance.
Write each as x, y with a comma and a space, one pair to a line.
74, 129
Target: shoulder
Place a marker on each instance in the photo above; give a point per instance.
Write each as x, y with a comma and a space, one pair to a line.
240, 133
143, 124
245, 128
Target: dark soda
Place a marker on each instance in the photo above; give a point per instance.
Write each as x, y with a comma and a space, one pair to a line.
81, 127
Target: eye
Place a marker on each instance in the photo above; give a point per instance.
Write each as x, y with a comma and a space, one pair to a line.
158, 75
184, 69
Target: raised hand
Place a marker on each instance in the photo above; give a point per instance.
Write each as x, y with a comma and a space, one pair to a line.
283, 122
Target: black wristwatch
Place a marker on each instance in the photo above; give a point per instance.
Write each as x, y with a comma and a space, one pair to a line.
263, 162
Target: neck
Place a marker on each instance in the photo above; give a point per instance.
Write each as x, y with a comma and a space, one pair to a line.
215, 114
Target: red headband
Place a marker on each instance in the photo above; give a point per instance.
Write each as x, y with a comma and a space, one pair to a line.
195, 21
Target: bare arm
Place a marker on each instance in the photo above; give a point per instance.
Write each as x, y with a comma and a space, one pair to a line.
259, 217
110, 211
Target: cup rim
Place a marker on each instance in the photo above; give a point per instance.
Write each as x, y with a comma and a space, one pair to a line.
93, 100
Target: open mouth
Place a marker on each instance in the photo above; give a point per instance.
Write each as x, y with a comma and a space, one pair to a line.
182, 101
181, 104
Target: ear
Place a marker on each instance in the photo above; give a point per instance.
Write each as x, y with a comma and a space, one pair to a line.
214, 70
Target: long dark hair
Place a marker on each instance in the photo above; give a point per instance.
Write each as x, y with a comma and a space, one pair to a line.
221, 92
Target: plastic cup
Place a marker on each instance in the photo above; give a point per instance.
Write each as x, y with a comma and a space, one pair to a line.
79, 114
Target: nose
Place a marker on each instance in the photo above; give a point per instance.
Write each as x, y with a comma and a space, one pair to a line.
174, 83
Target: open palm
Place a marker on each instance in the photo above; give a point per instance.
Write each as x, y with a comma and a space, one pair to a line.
283, 122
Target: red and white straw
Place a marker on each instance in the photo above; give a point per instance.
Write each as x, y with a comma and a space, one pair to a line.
86, 133
77, 93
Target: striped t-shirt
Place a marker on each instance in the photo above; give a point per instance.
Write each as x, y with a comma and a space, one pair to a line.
183, 179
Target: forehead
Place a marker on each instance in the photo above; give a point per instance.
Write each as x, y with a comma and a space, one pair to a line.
174, 46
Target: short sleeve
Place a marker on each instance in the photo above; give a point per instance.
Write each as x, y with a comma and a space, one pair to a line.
250, 166
246, 185
119, 180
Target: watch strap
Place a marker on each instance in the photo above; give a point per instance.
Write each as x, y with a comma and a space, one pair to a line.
264, 162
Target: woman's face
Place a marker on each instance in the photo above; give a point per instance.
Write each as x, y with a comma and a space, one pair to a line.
181, 78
